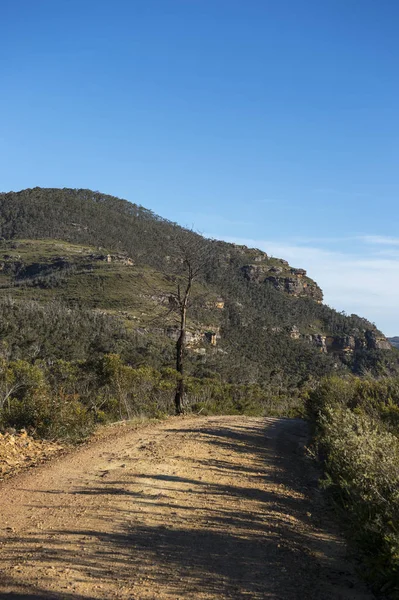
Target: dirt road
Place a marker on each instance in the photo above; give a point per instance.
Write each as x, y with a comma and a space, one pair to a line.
207, 507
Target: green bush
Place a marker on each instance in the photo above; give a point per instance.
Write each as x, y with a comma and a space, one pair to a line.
356, 434
63, 399
31, 399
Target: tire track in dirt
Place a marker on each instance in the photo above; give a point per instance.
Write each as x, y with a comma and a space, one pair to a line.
206, 507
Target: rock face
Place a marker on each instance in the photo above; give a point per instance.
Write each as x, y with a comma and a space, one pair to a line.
284, 279
194, 338
121, 258
344, 345
318, 340
375, 342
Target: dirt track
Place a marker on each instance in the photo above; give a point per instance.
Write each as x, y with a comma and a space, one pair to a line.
208, 507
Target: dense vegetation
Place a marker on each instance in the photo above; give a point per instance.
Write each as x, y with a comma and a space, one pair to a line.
91, 218
62, 370
63, 300
357, 435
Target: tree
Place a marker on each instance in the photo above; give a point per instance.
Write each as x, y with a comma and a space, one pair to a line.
185, 267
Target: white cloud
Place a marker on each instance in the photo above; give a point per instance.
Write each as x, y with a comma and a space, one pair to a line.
380, 240
365, 282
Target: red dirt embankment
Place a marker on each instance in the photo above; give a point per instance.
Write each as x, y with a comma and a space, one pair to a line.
19, 451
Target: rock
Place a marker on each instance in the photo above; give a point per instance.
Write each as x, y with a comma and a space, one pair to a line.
319, 341
295, 286
293, 282
294, 333
211, 337
120, 258
200, 351
298, 272
255, 273
376, 341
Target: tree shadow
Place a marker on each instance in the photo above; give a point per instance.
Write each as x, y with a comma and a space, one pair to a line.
26, 592
205, 539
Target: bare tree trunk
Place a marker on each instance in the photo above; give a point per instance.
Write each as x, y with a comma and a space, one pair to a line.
179, 396
180, 345
190, 263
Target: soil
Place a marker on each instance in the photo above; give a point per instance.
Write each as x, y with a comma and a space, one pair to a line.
192, 507
19, 451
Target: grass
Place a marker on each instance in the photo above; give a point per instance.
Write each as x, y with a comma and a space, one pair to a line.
133, 293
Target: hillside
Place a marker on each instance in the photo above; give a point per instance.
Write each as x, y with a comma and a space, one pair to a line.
394, 341
91, 252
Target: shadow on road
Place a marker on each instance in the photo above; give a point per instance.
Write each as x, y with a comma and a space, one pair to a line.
247, 531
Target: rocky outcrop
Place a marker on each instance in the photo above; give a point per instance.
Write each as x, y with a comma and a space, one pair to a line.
211, 337
255, 273
121, 258
318, 340
344, 344
376, 341
291, 281
296, 286
218, 303
368, 339
258, 272
298, 272
194, 338
13, 265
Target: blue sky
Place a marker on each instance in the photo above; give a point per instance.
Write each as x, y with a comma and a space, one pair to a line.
274, 123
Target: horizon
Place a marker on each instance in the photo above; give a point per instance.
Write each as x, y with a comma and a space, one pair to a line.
266, 124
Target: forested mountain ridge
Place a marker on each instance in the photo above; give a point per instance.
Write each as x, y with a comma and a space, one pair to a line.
89, 251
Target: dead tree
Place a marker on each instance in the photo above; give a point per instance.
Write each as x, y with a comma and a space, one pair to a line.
186, 263
191, 257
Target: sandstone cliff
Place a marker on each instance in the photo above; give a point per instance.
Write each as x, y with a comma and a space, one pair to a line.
284, 278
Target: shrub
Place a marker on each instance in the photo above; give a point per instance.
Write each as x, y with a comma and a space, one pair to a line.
63, 399
360, 449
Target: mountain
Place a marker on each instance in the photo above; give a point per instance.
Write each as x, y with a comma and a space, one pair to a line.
394, 341
82, 259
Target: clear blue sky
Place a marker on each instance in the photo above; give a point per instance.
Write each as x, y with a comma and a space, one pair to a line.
274, 122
